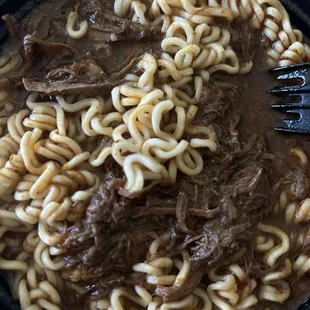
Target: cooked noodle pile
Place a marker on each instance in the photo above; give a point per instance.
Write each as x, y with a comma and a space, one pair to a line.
49, 171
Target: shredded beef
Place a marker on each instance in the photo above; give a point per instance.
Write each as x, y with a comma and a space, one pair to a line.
211, 215
244, 41
181, 213
299, 184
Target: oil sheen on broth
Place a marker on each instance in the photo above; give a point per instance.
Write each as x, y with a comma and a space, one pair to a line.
138, 164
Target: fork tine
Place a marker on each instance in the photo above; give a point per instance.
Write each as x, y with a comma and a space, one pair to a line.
291, 126
294, 129
292, 76
286, 89
299, 71
283, 70
296, 74
295, 100
286, 105
295, 111
300, 125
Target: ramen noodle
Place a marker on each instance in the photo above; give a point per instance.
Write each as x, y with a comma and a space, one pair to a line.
53, 150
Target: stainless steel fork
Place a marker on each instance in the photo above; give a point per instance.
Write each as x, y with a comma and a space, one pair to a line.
295, 99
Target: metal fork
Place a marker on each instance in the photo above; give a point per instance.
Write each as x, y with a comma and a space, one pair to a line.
295, 98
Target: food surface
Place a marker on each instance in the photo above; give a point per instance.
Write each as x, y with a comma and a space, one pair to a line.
138, 165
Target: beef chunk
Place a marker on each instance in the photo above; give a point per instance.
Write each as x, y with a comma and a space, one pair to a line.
114, 28
64, 88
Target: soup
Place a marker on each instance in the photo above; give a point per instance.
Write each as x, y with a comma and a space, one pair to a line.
139, 167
